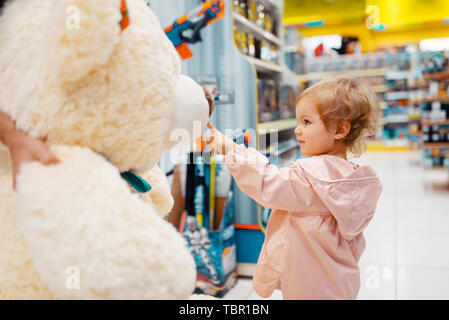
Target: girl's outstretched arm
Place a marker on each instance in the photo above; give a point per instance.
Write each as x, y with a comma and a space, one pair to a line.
272, 187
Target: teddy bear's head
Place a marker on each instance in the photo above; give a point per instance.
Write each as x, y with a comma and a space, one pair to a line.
77, 75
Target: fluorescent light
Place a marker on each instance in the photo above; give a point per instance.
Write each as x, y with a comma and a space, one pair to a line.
328, 41
438, 44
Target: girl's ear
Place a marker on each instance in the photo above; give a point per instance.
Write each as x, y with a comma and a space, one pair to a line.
81, 35
343, 129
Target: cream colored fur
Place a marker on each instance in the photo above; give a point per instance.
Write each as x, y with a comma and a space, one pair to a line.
104, 100
160, 193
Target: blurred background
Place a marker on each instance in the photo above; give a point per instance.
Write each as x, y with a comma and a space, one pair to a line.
255, 59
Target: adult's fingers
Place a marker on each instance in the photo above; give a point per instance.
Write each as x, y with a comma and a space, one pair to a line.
49, 160
43, 155
14, 174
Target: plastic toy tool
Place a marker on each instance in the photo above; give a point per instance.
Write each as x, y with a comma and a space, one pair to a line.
242, 138
187, 28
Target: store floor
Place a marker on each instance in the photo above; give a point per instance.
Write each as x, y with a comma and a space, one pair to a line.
407, 254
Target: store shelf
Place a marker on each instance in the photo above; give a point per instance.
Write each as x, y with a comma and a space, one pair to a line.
248, 26
437, 75
270, 4
397, 95
397, 75
436, 168
435, 145
292, 48
434, 122
278, 125
396, 119
379, 88
388, 145
264, 66
287, 147
350, 73
439, 98
282, 148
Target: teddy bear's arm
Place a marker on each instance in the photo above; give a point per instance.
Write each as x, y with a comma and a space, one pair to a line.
80, 221
82, 35
160, 194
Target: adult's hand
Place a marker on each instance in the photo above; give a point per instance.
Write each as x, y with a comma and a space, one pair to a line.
22, 147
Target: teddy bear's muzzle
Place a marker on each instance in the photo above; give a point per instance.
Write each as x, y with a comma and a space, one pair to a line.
190, 113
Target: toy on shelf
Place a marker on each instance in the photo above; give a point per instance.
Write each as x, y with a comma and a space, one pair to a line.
207, 223
194, 21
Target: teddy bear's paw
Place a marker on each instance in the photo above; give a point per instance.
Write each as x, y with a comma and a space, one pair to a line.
160, 194
90, 237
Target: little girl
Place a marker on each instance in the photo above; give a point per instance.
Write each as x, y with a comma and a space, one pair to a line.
322, 203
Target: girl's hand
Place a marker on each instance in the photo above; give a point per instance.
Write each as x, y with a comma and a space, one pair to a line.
218, 142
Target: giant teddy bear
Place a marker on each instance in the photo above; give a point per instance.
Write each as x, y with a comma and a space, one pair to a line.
106, 97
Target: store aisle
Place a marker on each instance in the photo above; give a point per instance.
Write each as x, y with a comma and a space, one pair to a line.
407, 254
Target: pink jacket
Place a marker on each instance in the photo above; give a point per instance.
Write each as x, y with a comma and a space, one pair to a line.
314, 235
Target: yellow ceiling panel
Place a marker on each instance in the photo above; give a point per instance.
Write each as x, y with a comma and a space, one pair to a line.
410, 12
302, 11
394, 14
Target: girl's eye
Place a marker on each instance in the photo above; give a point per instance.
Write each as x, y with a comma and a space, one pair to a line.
306, 122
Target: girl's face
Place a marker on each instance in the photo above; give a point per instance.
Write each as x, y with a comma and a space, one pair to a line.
313, 136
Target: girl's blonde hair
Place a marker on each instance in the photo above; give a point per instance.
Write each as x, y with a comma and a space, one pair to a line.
342, 98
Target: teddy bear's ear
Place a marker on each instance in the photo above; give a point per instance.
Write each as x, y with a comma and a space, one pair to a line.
82, 35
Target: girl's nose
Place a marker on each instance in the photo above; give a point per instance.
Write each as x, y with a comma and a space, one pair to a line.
298, 131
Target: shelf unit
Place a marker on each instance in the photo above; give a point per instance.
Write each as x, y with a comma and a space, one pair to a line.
379, 88
435, 168
350, 73
274, 137
432, 99
246, 25
264, 70
437, 75
434, 122
264, 66
431, 145
279, 125
290, 145
434, 106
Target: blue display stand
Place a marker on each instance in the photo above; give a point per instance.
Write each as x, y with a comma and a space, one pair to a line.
214, 253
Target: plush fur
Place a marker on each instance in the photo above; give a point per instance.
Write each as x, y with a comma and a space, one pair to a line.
104, 100
159, 195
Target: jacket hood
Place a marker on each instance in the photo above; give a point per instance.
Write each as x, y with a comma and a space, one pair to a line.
349, 192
